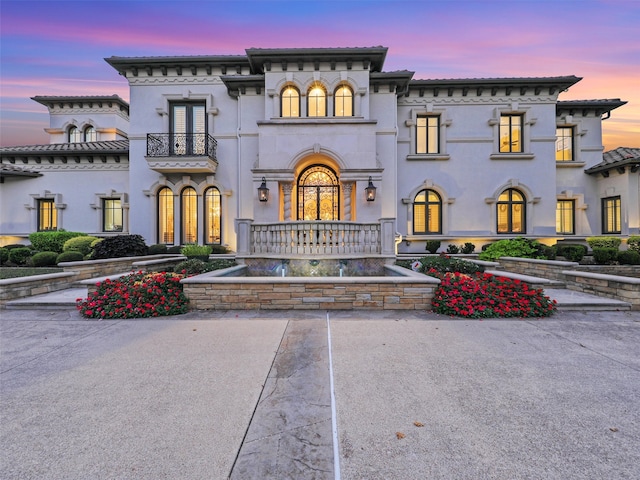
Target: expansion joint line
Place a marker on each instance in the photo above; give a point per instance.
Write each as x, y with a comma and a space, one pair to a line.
334, 417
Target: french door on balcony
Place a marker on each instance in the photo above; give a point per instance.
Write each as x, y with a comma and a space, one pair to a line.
318, 194
188, 129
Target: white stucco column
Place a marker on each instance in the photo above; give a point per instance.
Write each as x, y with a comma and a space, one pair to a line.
287, 188
347, 188
387, 236
243, 232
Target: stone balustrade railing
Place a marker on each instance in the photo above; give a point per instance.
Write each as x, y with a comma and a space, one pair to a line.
315, 238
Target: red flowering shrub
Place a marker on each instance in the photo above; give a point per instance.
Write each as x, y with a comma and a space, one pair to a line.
135, 296
482, 295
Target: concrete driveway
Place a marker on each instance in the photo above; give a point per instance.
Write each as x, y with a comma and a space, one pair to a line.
213, 395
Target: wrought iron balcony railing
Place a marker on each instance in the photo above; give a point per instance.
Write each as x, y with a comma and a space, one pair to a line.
181, 144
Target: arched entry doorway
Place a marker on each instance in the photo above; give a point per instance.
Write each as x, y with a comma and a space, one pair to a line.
318, 194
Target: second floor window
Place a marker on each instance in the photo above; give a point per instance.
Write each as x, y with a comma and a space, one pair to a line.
511, 133
90, 134
317, 102
47, 215
290, 102
74, 135
343, 102
564, 144
427, 134
188, 128
611, 215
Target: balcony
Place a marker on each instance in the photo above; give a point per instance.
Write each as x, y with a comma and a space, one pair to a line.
181, 152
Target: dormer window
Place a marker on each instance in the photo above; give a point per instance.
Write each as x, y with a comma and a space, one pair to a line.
317, 101
74, 135
290, 102
90, 134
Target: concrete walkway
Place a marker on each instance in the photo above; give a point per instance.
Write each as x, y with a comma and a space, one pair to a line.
208, 395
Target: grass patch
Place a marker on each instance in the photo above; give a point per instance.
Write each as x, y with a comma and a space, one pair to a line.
17, 272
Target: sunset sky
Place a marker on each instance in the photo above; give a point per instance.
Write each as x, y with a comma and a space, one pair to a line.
58, 47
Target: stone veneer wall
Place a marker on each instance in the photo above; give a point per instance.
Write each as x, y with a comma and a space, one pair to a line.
622, 288
213, 292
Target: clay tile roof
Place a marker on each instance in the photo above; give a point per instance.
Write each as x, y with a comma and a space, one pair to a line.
618, 158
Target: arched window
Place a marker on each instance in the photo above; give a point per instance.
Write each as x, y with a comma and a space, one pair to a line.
165, 216
318, 194
511, 212
427, 213
74, 135
189, 202
343, 102
317, 101
290, 102
212, 219
90, 134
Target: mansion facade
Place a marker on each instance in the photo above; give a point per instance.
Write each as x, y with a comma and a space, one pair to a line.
320, 151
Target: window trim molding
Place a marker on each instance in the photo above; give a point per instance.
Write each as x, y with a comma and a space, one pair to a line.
34, 207
99, 203
445, 203
527, 123
443, 123
603, 215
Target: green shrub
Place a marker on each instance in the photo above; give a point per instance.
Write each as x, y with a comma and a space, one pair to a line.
44, 259
194, 266
15, 245
560, 248
432, 246
634, 243
81, 244
4, 255
52, 241
549, 252
219, 249
70, 256
604, 242
574, 253
193, 250
120, 246
452, 249
157, 249
628, 257
514, 247
468, 248
174, 249
605, 255
20, 255
445, 264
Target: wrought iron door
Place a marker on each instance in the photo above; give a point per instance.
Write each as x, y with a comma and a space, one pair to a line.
318, 194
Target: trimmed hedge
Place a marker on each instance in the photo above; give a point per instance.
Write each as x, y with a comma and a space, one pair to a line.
52, 241
44, 259
605, 256
70, 256
81, 244
628, 257
634, 243
604, 242
19, 256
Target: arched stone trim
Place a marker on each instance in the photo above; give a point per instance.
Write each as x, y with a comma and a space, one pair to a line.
530, 202
310, 155
513, 183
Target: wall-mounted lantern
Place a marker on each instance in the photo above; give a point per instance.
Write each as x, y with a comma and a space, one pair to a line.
370, 191
263, 191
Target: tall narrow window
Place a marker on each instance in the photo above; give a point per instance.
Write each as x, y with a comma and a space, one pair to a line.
165, 216
565, 217
427, 213
111, 215
564, 144
511, 134
317, 101
188, 129
611, 215
74, 135
343, 102
90, 134
290, 102
189, 201
47, 215
212, 212
427, 134
511, 212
